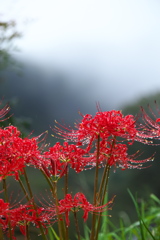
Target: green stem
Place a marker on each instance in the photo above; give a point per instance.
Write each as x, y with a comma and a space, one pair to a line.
103, 185
1, 233
60, 224
5, 190
24, 189
66, 182
53, 188
28, 186
77, 226
27, 237
27, 232
105, 176
48, 181
7, 200
65, 192
102, 193
34, 205
95, 189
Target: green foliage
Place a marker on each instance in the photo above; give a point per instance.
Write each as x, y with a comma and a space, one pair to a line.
7, 35
146, 228
52, 234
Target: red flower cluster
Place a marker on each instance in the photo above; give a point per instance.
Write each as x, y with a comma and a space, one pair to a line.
15, 152
117, 155
148, 128
61, 156
21, 217
4, 111
79, 201
103, 125
111, 128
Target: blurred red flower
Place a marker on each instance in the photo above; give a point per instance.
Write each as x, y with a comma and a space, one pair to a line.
79, 201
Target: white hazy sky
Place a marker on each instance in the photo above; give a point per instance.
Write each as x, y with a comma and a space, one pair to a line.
114, 44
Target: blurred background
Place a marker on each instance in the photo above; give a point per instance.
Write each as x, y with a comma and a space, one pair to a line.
61, 57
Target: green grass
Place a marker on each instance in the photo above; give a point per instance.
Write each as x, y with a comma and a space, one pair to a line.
146, 228
52, 234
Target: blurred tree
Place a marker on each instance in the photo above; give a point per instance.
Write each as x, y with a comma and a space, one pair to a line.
8, 34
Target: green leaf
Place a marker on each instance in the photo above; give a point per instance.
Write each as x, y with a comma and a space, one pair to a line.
52, 234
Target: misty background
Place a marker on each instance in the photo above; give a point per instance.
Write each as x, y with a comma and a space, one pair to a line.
73, 54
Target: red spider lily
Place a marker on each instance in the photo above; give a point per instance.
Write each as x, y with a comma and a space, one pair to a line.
4, 208
61, 156
15, 152
103, 125
79, 201
26, 214
117, 155
149, 128
4, 111
21, 217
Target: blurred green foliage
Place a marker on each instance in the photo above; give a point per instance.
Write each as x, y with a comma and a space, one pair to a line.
8, 34
147, 226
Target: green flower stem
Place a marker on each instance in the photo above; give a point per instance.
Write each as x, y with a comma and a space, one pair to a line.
28, 186
102, 190
27, 237
77, 226
66, 182
27, 233
48, 181
102, 193
53, 188
60, 223
24, 189
103, 185
95, 190
65, 192
1, 234
105, 177
5, 191
34, 205
7, 200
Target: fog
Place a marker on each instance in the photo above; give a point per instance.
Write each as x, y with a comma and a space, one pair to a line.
107, 49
